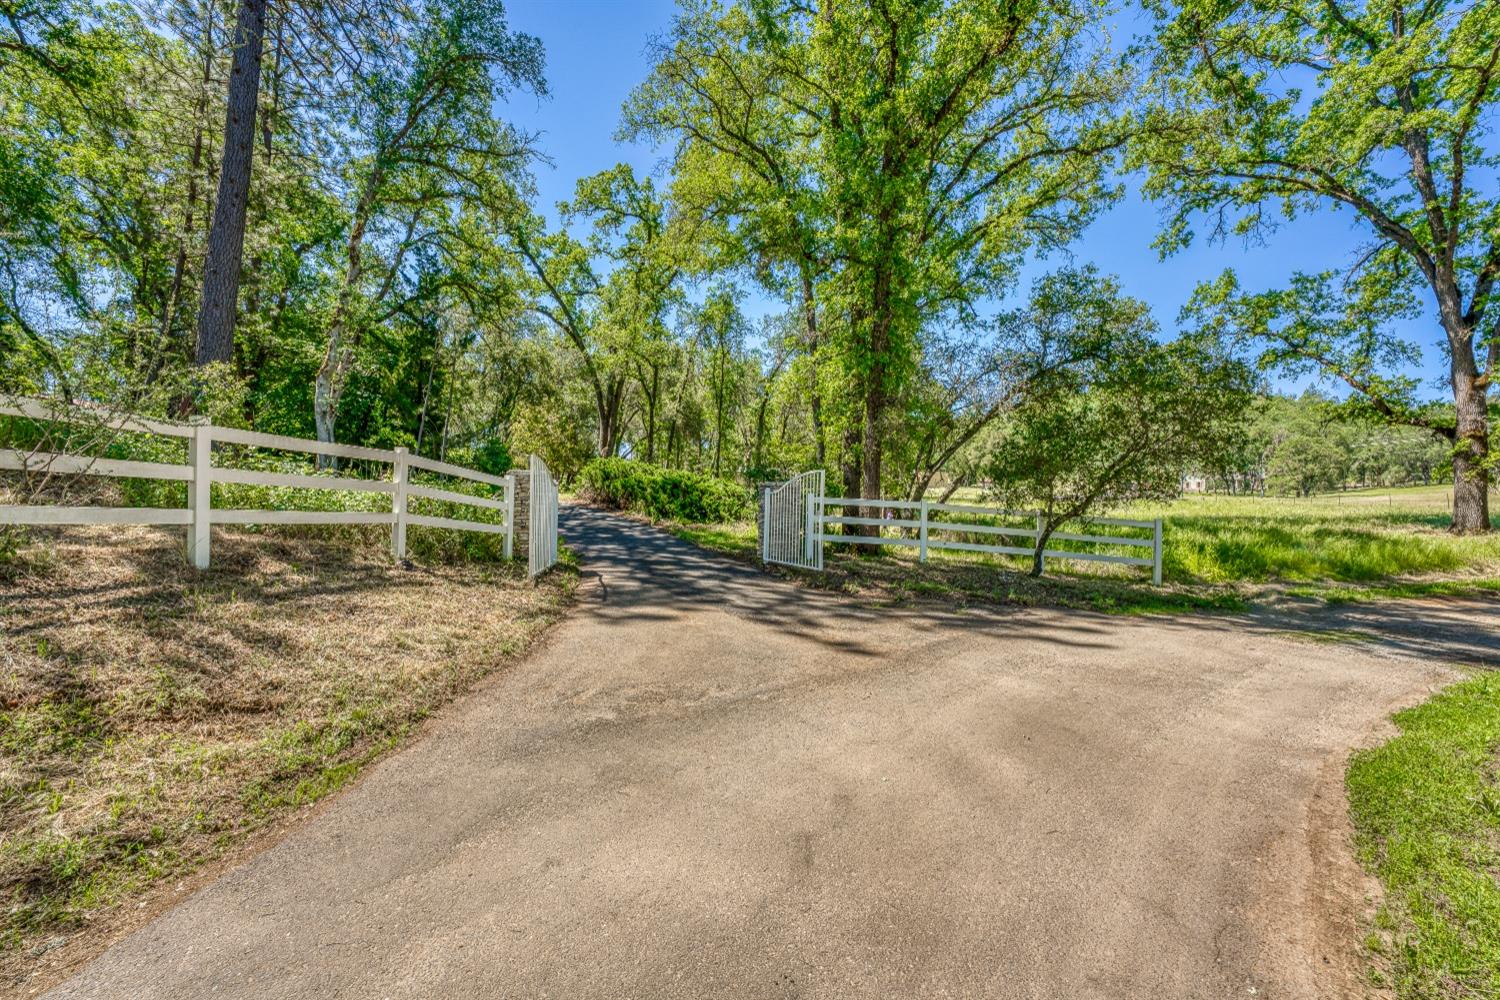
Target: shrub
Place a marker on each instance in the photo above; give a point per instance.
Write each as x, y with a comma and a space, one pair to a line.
493, 457
668, 494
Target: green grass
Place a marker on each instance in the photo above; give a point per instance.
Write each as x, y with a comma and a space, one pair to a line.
1218, 553
1410, 590
736, 539
1426, 812
1345, 538
1357, 537
966, 578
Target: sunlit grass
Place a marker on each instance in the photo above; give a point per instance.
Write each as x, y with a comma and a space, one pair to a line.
1344, 538
1225, 551
1359, 537
1426, 811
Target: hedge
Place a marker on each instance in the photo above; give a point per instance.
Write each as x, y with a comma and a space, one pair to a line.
668, 494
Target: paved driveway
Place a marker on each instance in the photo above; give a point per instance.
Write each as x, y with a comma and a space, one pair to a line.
711, 783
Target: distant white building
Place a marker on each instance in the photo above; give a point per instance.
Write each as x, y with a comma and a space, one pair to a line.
1238, 483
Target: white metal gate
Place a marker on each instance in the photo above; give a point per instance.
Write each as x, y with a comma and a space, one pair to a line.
541, 553
789, 529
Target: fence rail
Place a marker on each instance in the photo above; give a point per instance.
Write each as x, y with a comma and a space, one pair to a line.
926, 525
200, 472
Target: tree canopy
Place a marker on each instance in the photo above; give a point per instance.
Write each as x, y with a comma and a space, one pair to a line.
1383, 108
823, 272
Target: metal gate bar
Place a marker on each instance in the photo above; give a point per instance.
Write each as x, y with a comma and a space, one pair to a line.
789, 522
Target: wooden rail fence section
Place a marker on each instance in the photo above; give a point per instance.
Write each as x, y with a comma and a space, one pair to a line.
926, 530
200, 472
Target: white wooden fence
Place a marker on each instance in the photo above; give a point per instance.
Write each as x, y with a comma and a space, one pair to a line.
921, 525
199, 472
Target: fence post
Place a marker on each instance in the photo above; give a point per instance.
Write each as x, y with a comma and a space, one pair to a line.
1156, 553
201, 457
810, 532
520, 504
765, 525
510, 514
922, 535
399, 476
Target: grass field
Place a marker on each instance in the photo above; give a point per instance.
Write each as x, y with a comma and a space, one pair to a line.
1426, 812
1218, 552
1355, 538
152, 717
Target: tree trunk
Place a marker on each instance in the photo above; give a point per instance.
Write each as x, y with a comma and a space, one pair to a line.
720, 391
760, 428
812, 340
852, 466
325, 410
328, 386
226, 238
651, 414
1471, 476
1042, 538
344, 329
609, 418
870, 456
179, 265
851, 470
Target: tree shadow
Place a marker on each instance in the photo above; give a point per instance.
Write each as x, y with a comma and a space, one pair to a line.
646, 574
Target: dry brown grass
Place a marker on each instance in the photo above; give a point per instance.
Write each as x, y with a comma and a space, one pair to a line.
152, 717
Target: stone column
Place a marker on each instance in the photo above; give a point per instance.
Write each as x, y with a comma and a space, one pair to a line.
521, 513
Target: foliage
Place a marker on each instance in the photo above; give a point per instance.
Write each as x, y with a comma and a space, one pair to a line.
110, 116
430, 160
1383, 108
1109, 415
669, 494
884, 167
492, 456
1426, 811
1312, 444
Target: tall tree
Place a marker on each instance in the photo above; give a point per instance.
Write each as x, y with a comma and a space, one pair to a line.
720, 99
1384, 107
1108, 414
721, 331
933, 145
226, 236
430, 147
609, 294
633, 238
566, 292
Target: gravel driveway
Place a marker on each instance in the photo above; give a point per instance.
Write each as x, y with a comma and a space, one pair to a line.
713, 783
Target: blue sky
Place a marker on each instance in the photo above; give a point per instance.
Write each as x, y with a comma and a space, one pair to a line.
596, 54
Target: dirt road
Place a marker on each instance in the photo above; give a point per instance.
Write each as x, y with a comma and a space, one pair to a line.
710, 783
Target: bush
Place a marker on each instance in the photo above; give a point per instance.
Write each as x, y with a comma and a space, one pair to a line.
493, 457
668, 494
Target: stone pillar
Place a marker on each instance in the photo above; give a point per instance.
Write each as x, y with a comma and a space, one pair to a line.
521, 513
